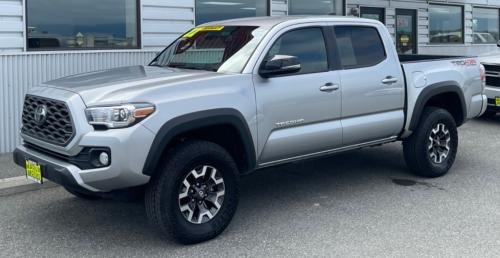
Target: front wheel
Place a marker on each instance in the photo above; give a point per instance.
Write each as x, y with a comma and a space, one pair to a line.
195, 193
431, 150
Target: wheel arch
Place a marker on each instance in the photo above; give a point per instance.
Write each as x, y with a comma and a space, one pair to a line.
448, 91
178, 126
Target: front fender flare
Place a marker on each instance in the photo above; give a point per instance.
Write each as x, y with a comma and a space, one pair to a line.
191, 121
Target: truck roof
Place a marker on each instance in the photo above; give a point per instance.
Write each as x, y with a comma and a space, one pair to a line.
267, 21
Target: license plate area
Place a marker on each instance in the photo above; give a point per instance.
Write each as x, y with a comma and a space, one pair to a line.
33, 171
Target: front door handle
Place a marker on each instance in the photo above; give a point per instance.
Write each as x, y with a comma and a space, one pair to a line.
329, 87
389, 80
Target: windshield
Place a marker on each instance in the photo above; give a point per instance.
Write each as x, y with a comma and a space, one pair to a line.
223, 49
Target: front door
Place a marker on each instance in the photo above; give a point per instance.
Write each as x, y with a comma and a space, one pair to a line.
406, 31
298, 114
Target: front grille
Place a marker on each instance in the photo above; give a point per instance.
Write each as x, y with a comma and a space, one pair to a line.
492, 81
53, 125
495, 68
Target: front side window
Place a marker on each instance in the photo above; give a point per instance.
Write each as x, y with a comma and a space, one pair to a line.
446, 24
75, 24
485, 23
224, 49
316, 7
308, 45
359, 46
207, 11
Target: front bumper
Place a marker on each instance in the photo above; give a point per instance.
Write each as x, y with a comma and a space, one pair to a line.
128, 147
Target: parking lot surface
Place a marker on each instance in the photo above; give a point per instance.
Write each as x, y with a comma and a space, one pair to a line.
361, 203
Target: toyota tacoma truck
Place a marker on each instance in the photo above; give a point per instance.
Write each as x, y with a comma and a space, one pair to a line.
232, 97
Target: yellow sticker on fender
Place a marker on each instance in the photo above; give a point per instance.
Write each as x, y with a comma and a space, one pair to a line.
194, 31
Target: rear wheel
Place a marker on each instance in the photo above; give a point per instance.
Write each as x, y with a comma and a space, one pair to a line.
194, 196
431, 150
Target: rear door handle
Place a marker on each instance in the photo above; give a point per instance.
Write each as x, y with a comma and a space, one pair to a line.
329, 87
389, 80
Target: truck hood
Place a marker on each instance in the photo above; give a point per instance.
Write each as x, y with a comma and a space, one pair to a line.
122, 84
491, 58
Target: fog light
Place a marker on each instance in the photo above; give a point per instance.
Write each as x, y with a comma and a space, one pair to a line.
104, 158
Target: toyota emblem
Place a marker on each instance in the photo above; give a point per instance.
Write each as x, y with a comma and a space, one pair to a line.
40, 114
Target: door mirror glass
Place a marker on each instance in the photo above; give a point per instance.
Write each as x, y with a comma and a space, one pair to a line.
280, 65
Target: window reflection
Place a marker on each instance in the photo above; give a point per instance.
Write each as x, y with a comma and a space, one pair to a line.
445, 24
485, 24
207, 10
316, 7
75, 24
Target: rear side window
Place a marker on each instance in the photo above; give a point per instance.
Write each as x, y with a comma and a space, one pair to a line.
308, 45
359, 46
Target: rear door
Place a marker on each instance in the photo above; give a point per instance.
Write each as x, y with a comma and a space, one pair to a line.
299, 114
372, 85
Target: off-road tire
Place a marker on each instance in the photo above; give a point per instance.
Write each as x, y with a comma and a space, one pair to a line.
162, 194
416, 147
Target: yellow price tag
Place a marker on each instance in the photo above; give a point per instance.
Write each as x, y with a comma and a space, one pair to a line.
497, 100
34, 171
194, 31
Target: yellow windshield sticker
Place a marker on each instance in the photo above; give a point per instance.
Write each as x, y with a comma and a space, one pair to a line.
194, 31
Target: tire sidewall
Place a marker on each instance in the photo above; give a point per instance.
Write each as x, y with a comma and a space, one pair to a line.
169, 202
434, 117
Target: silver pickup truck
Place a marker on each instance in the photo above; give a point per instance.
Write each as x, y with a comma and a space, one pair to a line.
231, 97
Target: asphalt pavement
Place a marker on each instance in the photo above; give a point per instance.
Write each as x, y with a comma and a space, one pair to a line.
357, 204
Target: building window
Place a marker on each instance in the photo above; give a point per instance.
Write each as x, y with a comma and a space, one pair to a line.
207, 11
316, 7
89, 24
446, 24
485, 23
373, 13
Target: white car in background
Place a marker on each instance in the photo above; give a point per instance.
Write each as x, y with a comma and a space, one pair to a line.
491, 64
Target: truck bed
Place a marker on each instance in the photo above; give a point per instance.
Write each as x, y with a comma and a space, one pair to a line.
425, 58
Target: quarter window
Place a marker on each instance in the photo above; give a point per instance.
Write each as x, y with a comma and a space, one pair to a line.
74, 24
446, 24
359, 46
207, 11
308, 45
485, 24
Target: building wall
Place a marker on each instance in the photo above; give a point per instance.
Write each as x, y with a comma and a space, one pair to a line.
11, 26
424, 47
164, 20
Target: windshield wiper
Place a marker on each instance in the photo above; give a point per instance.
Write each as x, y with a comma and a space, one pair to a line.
156, 64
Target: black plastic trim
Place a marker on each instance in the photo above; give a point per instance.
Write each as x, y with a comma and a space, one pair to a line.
83, 160
52, 172
188, 122
434, 90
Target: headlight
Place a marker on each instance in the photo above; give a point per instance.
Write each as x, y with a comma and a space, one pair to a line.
119, 116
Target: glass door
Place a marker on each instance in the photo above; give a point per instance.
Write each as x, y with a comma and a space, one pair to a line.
406, 31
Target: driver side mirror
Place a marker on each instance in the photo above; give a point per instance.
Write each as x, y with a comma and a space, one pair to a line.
279, 65
498, 43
